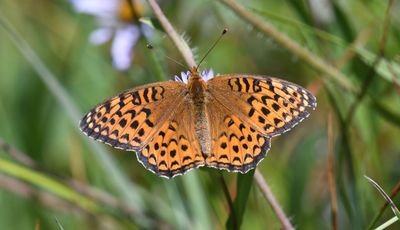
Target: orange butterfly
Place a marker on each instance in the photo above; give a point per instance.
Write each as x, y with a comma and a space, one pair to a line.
224, 122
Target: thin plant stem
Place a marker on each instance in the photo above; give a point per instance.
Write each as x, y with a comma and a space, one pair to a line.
16, 154
270, 31
50, 200
393, 194
386, 196
42, 181
372, 70
387, 223
177, 40
269, 196
331, 174
58, 223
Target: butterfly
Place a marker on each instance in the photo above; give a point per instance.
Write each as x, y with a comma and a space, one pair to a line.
224, 122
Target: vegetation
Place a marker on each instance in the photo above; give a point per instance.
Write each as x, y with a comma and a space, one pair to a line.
346, 52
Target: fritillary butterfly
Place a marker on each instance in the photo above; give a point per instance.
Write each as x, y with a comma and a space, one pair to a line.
224, 122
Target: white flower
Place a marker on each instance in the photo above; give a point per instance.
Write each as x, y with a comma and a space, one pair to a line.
183, 78
205, 75
115, 22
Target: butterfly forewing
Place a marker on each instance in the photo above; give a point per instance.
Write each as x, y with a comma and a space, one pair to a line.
271, 106
130, 119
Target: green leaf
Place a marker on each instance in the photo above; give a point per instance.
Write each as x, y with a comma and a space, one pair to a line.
243, 186
388, 70
58, 223
197, 201
387, 223
48, 184
386, 113
386, 196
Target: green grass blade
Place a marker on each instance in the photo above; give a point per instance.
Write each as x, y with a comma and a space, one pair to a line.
388, 70
293, 46
302, 10
388, 223
180, 214
48, 184
243, 186
121, 182
386, 113
59, 225
197, 200
386, 196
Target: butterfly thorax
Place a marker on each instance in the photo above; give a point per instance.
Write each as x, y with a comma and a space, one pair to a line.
197, 90
197, 87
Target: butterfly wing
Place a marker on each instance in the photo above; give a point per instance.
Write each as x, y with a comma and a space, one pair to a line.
272, 106
151, 120
251, 109
127, 120
235, 145
175, 148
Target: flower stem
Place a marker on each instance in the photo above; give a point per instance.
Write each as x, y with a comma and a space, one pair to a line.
177, 40
266, 191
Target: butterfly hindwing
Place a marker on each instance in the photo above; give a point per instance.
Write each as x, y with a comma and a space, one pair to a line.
127, 120
235, 145
174, 149
272, 106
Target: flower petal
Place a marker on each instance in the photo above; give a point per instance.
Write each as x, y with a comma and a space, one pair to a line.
184, 77
178, 79
101, 8
207, 75
122, 47
146, 30
101, 35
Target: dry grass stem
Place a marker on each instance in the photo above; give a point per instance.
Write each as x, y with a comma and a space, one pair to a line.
177, 40
286, 42
269, 196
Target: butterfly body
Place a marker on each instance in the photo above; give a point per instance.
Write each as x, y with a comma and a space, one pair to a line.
225, 122
197, 89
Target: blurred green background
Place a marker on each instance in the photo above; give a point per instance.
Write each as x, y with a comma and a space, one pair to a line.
71, 182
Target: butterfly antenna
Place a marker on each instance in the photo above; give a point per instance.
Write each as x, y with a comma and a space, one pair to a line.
212, 47
149, 46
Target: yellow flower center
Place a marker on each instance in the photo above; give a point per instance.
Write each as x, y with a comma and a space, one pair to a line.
125, 11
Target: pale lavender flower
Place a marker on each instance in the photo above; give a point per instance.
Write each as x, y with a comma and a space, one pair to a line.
205, 75
116, 23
